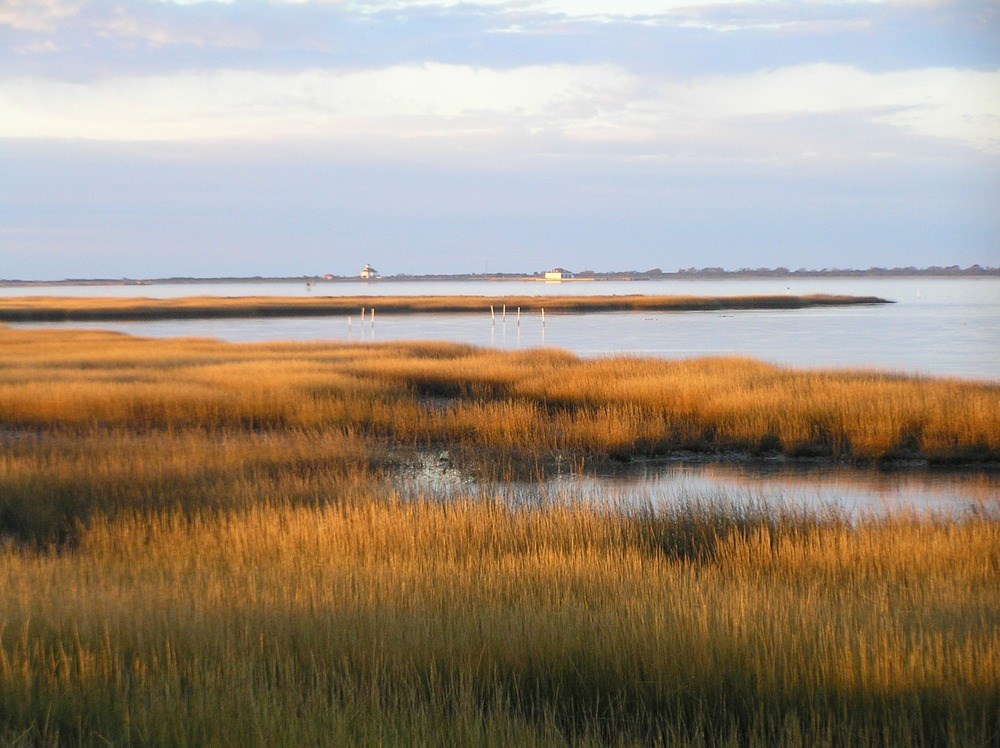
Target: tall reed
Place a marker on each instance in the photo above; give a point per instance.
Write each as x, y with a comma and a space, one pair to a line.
199, 546
374, 621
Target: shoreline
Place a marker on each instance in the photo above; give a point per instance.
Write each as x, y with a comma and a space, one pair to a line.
105, 309
777, 462
932, 272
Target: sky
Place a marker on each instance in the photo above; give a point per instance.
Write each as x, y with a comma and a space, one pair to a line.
160, 138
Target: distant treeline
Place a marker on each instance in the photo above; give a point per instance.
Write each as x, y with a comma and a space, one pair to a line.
874, 272
934, 271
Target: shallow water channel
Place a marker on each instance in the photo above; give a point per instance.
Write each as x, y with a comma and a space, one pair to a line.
853, 491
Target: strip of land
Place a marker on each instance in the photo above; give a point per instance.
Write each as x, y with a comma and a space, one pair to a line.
653, 274
107, 309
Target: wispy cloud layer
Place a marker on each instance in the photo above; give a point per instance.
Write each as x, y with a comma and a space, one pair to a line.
479, 107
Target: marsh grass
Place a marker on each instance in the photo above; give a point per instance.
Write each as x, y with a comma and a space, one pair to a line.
52, 308
50, 482
532, 401
98, 422
376, 621
200, 546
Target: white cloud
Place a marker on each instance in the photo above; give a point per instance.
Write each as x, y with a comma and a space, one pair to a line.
594, 9
608, 9
37, 15
466, 108
120, 23
419, 100
962, 105
41, 47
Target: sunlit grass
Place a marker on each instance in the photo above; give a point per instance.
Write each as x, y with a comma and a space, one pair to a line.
201, 545
377, 621
94, 422
49, 308
531, 401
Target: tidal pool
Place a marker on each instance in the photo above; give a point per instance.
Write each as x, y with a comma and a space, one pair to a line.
854, 491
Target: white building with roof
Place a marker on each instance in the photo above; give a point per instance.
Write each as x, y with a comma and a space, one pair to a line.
557, 274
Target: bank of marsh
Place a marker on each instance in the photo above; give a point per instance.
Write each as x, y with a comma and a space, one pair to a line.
202, 546
54, 308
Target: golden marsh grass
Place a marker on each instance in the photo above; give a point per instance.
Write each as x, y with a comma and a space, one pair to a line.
532, 401
200, 546
51, 308
375, 621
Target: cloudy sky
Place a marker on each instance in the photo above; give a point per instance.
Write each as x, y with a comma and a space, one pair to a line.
148, 138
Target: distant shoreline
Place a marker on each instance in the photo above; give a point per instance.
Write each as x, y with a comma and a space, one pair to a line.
953, 271
73, 309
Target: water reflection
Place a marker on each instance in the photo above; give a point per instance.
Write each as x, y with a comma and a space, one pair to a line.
851, 490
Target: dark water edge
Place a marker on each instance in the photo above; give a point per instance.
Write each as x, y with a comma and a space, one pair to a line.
146, 310
678, 481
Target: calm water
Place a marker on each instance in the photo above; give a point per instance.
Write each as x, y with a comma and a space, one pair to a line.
857, 492
948, 327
